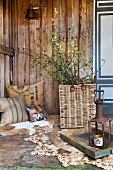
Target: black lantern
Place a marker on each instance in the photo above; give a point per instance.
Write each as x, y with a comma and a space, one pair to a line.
99, 138
30, 13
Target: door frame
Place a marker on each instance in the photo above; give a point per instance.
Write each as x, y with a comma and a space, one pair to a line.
101, 7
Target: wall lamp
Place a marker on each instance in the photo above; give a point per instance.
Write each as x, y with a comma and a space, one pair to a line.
32, 12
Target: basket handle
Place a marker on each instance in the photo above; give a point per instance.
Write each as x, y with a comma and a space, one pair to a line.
83, 87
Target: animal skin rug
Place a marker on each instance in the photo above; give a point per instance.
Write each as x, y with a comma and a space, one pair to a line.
9, 130
21, 128
13, 132
6, 128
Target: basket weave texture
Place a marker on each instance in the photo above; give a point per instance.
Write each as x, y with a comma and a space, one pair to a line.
76, 107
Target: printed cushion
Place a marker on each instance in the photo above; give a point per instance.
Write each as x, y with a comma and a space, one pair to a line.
13, 109
34, 114
33, 93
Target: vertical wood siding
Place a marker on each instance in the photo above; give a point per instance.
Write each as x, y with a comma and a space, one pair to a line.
1, 55
74, 19
7, 68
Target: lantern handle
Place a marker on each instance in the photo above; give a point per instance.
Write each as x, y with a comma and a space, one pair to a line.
100, 91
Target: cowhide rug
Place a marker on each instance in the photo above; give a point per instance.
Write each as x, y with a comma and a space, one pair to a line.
21, 128
9, 130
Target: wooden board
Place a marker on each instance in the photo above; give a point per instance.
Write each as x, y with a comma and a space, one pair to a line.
6, 50
79, 139
74, 19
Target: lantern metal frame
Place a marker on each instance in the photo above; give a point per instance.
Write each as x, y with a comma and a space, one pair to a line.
99, 119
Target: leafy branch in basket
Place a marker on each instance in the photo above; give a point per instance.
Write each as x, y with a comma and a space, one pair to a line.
66, 64
62, 65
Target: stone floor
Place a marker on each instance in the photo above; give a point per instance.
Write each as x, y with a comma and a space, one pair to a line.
15, 154
15, 151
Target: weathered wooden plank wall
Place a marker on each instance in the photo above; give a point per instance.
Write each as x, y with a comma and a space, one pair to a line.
5, 53
1, 55
74, 19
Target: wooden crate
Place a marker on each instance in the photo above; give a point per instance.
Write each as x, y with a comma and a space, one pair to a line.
79, 138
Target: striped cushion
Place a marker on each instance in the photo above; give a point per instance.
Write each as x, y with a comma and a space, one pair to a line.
13, 110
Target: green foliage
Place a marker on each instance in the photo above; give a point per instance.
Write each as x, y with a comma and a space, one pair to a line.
62, 64
61, 60
66, 63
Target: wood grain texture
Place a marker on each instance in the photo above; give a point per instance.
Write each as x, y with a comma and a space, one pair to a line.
15, 40
21, 40
32, 27
79, 139
2, 77
1, 55
63, 24
38, 38
6, 50
74, 19
1, 22
43, 45
9, 51
54, 88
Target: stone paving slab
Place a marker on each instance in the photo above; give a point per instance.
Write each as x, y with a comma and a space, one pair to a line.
15, 151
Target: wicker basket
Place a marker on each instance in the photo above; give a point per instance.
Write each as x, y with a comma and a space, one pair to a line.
76, 106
